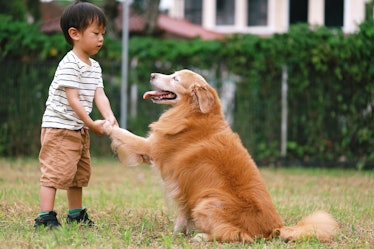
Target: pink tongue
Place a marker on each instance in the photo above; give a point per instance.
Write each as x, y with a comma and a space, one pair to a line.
149, 94
146, 95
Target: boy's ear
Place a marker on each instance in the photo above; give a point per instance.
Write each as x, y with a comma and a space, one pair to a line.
74, 34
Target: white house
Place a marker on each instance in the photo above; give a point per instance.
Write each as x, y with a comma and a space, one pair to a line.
266, 17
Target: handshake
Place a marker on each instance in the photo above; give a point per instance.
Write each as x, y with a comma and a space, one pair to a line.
127, 146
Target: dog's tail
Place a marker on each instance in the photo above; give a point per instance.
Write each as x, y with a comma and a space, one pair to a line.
319, 225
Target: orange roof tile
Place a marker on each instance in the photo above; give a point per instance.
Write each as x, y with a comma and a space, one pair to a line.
184, 28
173, 26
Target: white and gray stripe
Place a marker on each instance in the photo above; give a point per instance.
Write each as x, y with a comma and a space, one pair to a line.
73, 73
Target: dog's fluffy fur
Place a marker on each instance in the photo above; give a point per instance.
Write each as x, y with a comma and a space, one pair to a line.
214, 181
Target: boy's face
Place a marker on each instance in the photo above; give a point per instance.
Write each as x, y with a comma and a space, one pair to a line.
91, 39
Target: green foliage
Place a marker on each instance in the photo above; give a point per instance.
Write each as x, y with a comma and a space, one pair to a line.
330, 85
16, 8
369, 10
23, 96
20, 40
34, 9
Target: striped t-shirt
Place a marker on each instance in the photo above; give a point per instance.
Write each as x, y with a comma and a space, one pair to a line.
72, 73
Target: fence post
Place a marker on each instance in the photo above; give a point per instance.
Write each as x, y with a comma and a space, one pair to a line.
284, 107
124, 68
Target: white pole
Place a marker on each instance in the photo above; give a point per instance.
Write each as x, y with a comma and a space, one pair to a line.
124, 69
284, 111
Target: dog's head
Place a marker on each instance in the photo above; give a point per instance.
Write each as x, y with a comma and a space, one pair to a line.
180, 87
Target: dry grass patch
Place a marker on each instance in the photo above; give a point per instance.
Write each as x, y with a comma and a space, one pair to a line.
129, 209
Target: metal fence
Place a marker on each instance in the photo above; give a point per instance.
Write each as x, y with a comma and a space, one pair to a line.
254, 109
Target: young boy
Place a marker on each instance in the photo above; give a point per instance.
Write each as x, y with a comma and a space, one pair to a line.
64, 156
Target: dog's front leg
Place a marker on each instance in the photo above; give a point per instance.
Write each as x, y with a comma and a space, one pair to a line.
132, 142
183, 222
131, 149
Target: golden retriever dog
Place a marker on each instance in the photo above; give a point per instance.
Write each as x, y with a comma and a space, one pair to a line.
215, 183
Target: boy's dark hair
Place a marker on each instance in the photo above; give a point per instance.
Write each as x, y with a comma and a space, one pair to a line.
79, 15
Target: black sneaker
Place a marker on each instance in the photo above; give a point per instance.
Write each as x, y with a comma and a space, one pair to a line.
47, 220
81, 217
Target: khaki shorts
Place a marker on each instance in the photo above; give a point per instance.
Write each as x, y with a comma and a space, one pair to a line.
65, 158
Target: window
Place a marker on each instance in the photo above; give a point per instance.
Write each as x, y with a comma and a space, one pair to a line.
257, 12
225, 11
334, 13
298, 11
193, 11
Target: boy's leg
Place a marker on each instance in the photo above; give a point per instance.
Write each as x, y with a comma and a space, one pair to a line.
47, 198
47, 217
47, 193
76, 212
74, 195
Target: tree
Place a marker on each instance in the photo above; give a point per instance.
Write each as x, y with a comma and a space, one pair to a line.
14, 8
111, 11
33, 9
149, 10
369, 10
150, 16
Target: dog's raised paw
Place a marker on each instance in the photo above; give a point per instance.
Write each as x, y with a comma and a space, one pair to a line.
107, 127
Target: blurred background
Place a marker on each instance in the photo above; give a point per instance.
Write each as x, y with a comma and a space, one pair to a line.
296, 77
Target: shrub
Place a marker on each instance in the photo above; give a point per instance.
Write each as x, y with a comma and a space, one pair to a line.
330, 86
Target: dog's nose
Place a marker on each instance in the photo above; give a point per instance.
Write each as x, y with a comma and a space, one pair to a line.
153, 76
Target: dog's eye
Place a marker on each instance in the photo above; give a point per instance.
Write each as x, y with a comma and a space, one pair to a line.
175, 78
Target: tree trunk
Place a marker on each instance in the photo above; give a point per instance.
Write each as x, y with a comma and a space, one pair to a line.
111, 12
150, 16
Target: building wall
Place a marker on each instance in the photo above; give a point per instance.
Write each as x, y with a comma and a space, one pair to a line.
316, 12
278, 16
354, 10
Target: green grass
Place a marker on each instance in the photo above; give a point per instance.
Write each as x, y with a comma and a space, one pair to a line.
130, 211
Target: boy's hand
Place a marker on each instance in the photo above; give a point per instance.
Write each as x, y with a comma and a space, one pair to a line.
107, 127
112, 121
97, 127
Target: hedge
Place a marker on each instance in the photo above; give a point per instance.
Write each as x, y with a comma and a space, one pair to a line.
330, 87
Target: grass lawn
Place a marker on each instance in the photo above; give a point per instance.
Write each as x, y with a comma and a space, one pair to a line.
130, 211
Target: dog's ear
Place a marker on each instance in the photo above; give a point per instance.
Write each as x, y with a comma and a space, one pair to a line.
203, 97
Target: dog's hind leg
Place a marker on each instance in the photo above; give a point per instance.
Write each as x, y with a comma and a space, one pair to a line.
210, 219
224, 232
183, 222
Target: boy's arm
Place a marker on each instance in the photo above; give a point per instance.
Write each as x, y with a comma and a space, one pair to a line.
96, 126
103, 104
